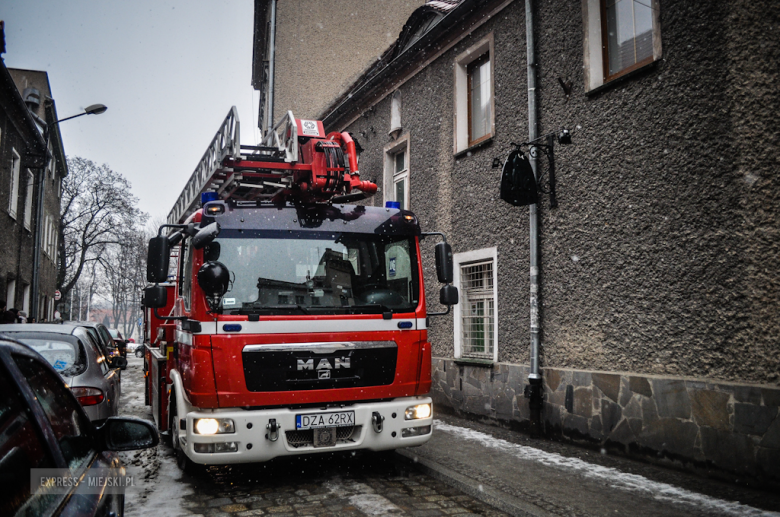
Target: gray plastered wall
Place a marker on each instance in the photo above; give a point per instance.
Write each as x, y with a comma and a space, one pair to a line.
662, 256
661, 264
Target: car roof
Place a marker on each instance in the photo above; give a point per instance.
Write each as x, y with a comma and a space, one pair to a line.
37, 334
56, 328
94, 324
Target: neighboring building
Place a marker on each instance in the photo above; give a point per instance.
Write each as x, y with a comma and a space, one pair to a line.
321, 48
26, 109
659, 292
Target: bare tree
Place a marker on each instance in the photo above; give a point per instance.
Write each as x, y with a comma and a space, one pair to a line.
97, 209
124, 271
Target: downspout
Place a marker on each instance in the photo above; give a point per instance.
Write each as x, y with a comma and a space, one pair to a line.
534, 388
271, 59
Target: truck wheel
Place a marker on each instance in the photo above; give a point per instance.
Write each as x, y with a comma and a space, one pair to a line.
182, 461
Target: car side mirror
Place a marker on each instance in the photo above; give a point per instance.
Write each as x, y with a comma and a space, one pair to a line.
448, 295
127, 434
118, 362
443, 262
155, 297
157, 259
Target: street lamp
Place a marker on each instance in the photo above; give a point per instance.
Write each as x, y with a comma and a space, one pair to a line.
94, 109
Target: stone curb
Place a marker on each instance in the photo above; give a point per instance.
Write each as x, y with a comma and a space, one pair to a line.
480, 491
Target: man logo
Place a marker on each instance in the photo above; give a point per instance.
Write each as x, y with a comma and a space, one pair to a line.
324, 365
323, 374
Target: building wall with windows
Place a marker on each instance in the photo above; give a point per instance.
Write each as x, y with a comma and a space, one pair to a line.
27, 107
20, 139
27, 82
659, 267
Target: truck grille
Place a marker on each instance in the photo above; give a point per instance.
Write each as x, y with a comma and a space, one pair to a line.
318, 366
298, 439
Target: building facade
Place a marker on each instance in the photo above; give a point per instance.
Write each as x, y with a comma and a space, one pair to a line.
25, 176
320, 49
658, 295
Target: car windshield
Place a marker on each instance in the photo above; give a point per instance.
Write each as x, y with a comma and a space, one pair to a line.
67, 358
312, 273
114, 333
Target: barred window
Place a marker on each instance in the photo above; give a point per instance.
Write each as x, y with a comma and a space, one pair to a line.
478, 312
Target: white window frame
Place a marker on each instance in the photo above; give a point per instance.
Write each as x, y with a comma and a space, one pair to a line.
395, 114
28, 200
26, 299
13, 201
593, 51
10, 294
463, 259
391, 177
461, 123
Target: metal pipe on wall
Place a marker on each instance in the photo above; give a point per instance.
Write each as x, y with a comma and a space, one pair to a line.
271, 59
534, 378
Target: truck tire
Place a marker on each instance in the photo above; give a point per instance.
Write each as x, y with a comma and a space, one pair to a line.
182, 461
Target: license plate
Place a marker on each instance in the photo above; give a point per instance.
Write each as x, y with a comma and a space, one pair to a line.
320, 420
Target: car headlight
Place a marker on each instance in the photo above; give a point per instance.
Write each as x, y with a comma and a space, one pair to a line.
207, 426
417, 412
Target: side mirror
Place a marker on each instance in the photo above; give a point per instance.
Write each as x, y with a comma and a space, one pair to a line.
205, 235
444, 262
127, 434
118, 362
155, 297
213, 278
157, 259
448, 295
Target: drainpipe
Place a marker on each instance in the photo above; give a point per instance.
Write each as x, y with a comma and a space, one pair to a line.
271, 59
533, 390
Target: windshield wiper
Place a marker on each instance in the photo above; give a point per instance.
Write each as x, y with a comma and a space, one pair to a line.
377, 306
256, 309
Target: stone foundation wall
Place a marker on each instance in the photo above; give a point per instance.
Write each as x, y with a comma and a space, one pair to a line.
697, 423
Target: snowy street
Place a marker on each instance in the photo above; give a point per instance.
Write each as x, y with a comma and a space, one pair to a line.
344, 485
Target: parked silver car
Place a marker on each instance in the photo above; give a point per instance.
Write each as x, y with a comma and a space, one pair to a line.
101, 334
74, 354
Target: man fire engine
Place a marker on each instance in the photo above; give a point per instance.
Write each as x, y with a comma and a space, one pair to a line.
289, 321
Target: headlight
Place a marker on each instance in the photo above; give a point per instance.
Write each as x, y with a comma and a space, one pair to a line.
208, 426
417, 412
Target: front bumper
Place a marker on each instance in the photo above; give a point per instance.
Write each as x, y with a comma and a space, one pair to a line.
254, 440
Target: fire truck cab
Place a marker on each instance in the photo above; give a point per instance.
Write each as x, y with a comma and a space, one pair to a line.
290, 325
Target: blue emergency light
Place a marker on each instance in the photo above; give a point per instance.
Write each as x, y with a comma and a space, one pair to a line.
393, 204
205, 197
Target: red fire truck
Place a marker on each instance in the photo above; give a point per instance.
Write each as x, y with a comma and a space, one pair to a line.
283, 319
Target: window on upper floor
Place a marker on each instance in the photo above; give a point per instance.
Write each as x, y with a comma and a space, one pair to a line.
474, 95
396, 180
13, 192
28, 200
620, 36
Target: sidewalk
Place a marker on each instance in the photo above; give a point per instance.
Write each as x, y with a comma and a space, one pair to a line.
521, 476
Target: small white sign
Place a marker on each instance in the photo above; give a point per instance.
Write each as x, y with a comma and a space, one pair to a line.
57, 295
309, 128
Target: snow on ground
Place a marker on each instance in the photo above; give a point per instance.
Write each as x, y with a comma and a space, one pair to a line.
611, 476
161, 490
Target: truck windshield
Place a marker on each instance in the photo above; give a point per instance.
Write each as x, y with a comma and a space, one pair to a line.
336, 274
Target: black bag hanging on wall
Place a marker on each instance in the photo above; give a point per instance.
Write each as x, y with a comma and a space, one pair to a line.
518, 184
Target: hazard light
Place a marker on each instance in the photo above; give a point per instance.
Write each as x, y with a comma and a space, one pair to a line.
393, 204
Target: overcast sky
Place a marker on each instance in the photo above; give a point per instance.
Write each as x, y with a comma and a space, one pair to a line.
168, 70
